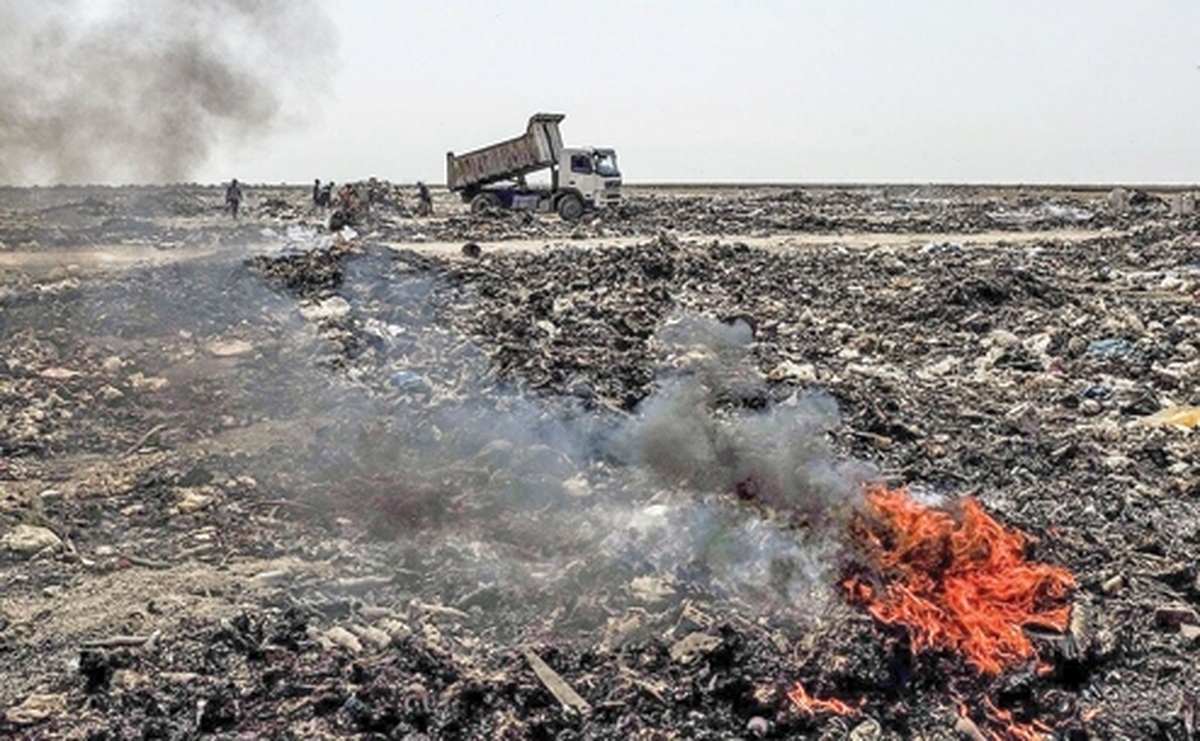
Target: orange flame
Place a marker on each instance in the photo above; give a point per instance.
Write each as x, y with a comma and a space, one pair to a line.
1035, 731
959, 583
810, 705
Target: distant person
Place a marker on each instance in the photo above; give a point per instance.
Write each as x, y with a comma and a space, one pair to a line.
233, 197
316, 196
326, 195
424, 200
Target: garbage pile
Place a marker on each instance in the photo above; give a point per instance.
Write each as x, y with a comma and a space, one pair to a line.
767, 212
344, 487
389, 211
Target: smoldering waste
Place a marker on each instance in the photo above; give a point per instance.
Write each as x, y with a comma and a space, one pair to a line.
353, 489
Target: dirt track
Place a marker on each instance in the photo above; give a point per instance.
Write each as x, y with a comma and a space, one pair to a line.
305, 486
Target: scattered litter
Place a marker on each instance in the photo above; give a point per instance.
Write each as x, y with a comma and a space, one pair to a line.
692, 646
59, 374
192, 501
342, 638
29, 540
333, 307
562, 691
409, 381
1109, 348
36, 708
1183, 417
230, 348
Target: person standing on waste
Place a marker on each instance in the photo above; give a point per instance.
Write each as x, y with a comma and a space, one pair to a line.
316, 196
233, 197
425, 200
348, 197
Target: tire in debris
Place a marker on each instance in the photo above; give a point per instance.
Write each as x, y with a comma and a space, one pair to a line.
570, 207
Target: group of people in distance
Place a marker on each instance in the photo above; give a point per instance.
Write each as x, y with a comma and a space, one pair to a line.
351, 197
347, 197
322, 195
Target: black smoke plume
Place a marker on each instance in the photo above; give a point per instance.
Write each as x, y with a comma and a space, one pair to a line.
143, 90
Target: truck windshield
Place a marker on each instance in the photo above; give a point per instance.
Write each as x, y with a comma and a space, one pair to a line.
606, 165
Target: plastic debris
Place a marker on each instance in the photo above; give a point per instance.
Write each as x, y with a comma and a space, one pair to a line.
1186, 417
408, 381
1109, 348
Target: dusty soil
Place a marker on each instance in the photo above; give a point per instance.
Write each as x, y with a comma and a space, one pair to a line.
509, 477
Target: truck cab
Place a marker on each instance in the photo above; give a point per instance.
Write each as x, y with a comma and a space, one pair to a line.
593, 173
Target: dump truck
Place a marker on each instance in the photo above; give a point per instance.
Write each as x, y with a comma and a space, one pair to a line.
581, 178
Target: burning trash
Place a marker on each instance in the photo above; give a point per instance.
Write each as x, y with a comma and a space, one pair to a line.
956, 581
810, 705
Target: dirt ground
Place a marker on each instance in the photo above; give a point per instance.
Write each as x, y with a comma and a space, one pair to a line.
508, 477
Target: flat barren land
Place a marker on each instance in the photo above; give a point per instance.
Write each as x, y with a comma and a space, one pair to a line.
508, 477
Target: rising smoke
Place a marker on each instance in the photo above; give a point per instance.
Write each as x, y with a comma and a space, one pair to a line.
656, 494
541, 497
143, 90
476, 486
709, 427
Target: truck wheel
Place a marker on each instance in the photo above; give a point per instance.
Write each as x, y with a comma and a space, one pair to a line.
484, 203
570, 207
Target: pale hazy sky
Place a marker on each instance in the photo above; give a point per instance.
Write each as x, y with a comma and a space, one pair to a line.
788, 91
